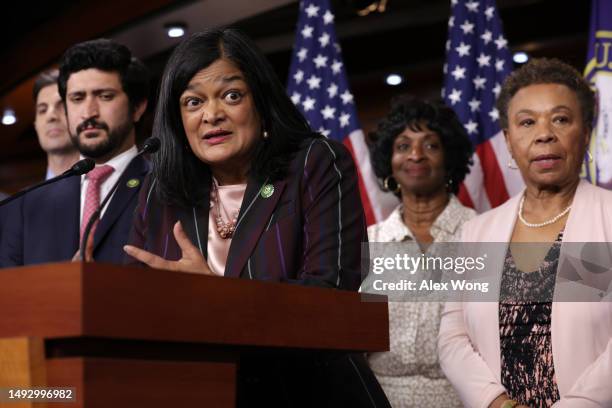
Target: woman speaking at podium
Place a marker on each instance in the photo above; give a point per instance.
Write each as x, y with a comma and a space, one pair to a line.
242, 187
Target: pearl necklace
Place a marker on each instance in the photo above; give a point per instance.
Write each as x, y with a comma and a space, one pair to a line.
542, 224
225, 229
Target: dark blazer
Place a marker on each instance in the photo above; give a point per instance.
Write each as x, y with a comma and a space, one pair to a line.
44, 225
308, 231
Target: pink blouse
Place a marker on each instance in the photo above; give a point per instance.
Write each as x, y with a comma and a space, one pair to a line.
230, 197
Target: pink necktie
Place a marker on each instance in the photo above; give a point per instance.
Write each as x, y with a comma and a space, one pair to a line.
95, 179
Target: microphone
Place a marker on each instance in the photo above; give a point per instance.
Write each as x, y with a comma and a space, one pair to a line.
81, 167
77, 169
151, 145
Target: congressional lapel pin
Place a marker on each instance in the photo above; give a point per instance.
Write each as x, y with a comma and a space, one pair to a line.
267, 191
133, 183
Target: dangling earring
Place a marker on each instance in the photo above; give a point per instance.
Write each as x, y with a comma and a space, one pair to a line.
386, 185
512, 164
449, 185
265, 134
589, 156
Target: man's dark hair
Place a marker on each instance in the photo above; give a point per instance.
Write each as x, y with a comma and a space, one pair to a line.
547, 71
407, 111
43, 80
178, 172
109, 56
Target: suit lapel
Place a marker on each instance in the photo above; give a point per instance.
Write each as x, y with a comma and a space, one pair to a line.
66, 216
136, 170
195, 224
255, 212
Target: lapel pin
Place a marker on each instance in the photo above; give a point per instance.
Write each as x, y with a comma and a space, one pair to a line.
133, 183
267, 191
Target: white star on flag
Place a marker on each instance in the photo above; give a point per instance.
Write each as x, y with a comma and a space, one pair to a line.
314, 82
308, 103
302, 54
467, 27
483, 60
324, 131
455, 96
298, 76
332, 90
324, 39
499, 64
487, 37
463, 49
320, 61
328, 17
336, 67
474, 105
347, 97
489, 12
295, 98
494, 114
344, 119
307, 31
451, 22
471, 127
472, 6
497, 90
458, 73
328, 112
479, 82
501, 42
312, 11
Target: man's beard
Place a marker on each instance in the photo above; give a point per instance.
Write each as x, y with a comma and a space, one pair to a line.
116, 138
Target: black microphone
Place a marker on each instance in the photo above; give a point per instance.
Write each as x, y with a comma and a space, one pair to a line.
151, 145
79, 168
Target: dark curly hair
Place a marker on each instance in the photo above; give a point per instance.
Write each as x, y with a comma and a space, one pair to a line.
409, 111
547, 71
106, 55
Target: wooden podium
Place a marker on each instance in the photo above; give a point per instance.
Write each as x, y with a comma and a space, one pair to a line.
136, 337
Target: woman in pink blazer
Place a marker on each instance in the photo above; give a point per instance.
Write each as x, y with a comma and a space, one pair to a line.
538, 354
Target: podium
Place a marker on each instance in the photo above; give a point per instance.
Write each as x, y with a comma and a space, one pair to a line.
140, 337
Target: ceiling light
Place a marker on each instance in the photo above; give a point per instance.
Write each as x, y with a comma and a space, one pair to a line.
9, 118
394, 79
520, 57
175, 30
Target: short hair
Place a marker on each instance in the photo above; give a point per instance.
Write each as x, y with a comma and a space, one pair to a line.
409, 111
547, 71
43, 80
106, 55
177, 170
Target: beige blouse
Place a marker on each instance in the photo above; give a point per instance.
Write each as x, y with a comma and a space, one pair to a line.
409, 372
231, 197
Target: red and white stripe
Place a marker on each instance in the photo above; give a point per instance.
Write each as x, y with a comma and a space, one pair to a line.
376, 203
490, 181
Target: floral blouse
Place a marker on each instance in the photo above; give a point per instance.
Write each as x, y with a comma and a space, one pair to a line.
409, 372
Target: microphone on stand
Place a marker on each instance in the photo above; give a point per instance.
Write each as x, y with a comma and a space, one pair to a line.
79, 168
151, 145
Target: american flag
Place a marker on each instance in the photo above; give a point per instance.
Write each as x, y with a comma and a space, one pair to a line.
477, 61
318, 86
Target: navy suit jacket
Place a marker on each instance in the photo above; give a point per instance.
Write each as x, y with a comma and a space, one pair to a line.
309, 231
44, 225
